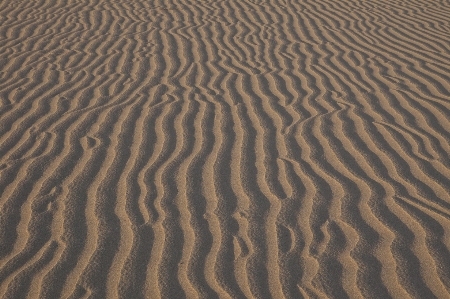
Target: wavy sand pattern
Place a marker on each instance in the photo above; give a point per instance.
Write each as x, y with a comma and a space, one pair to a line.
224, 149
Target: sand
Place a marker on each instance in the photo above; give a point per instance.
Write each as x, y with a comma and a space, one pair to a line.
224, 149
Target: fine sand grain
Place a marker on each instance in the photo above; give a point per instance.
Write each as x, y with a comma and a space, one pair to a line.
224, 149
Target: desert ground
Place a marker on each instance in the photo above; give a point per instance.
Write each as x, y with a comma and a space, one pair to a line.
224, 149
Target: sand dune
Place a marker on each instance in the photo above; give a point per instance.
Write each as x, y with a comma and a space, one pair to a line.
224, 149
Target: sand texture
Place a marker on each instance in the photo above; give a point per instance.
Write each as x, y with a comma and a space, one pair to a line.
224, 149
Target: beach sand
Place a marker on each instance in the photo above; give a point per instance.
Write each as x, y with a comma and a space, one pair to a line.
224, 149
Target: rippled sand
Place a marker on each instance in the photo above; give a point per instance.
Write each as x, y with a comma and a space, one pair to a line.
224, 149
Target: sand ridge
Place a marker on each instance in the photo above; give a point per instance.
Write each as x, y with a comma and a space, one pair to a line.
224, 149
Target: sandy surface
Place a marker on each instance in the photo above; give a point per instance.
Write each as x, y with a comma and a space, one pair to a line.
224, 149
